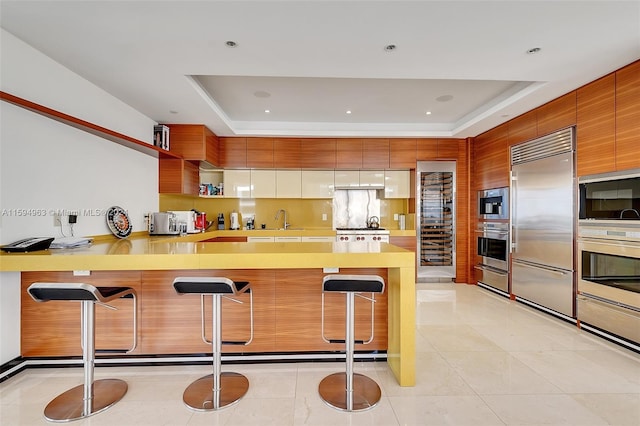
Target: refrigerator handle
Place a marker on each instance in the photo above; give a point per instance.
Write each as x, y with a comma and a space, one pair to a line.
544, 268
512, 209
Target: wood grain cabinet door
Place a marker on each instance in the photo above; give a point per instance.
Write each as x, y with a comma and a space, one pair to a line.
375, 154
260, 152
233, 152
557, 114
595, 130
628, 117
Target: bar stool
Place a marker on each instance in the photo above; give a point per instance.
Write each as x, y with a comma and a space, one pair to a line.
217, 390
91, 397
350, 391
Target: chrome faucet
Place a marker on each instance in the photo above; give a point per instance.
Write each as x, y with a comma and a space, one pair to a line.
285, 224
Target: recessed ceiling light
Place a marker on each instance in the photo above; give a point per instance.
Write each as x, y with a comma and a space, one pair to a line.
172, 111
533, 50
261, 94
390, 47
428, 112
348, 111
444, 98
267, 111
231, 43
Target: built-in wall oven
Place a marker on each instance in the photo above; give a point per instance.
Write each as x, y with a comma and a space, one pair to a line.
493, 204
608, 299
492, 249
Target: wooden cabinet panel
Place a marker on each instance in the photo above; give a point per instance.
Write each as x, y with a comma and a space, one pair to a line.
177, 176
298, 303
318, 153
523, 128
375, 154
557, 114
595, 132
349, 153
492, 159
172, 322
426, 149
463, 214
407, 243
233, 152
286, 153
260, 152
53, 328
448, 149
628, 117
402, 153
194, 142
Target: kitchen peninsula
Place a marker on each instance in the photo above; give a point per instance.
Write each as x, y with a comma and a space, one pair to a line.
286, 280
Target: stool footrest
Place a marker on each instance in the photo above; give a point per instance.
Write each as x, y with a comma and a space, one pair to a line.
344, 341
112, 351
234, 342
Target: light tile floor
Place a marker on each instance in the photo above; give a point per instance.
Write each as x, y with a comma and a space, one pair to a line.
481, 360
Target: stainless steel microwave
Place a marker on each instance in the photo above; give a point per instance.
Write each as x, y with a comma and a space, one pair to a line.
493, 203
610, 196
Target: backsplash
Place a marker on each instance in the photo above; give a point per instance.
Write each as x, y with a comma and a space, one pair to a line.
301, 213
352, 208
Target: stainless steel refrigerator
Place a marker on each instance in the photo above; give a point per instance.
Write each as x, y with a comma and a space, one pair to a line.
543, 222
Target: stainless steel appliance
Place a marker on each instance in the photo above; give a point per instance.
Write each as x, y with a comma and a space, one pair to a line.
435, 214
543, 222
367, 235
164, 223
493, 256
610, 196
493, 204
608, 300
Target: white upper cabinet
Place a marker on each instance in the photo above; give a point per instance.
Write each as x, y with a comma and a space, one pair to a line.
372, 178
317, 183
263, 183
288, 183
237, 183
347, 178
397, 184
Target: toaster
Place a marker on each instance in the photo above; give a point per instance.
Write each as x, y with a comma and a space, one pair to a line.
163, 223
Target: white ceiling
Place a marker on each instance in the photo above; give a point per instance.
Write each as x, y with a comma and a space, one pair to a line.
309, 62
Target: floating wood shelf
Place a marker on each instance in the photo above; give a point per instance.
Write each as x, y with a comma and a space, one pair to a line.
88, 127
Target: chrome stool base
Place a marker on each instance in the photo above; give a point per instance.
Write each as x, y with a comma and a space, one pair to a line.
333, 391
69, 405
200, 395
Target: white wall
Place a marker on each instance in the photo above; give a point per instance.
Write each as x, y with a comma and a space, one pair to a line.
46, 166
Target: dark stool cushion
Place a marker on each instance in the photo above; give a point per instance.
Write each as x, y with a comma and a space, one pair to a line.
206, 285
76, 291
353, 283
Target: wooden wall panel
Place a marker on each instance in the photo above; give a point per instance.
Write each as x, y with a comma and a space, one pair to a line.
187, 141
628, 117
349, 153
595, 133
448, 149
233, 152
375, 154
491, 158
523, 128
426, 149
557, 114
463, 213
318, 153
260, 153
53, 328
402, 153
286, 153
212, 147
177, 176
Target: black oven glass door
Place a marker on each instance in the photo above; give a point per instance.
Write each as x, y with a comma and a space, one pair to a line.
494, 252
611, 270
617, 199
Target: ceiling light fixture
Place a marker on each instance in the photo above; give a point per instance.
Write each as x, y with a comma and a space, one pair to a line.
231, 43
533, 50
267, 111
390, 47
428, 113
348, 111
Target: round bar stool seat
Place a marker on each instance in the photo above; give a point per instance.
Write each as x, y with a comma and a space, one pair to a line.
94, 396
220, 389
349, 391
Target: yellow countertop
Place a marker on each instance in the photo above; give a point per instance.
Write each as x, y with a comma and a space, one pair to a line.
143, 252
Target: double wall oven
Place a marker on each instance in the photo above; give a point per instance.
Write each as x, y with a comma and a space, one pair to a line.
608, 299
492, 240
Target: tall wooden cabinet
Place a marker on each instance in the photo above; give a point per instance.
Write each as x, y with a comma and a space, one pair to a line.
628, 117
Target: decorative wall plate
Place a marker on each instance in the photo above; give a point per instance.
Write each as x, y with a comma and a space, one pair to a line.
118, 222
